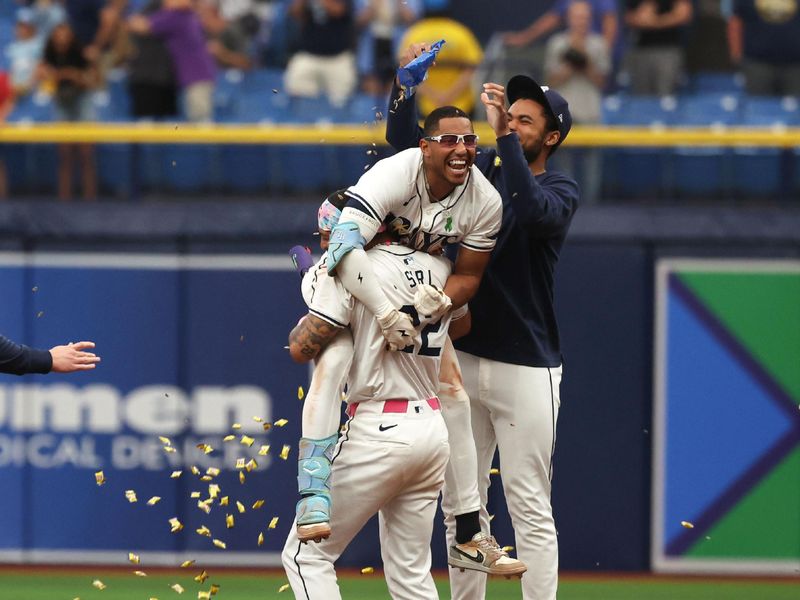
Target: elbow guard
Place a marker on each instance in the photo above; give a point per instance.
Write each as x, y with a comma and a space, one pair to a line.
344, 238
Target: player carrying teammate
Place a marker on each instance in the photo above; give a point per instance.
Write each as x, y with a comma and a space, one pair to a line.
393, 452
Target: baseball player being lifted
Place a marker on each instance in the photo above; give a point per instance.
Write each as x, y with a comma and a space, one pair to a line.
321, 414
392, 454
430, 196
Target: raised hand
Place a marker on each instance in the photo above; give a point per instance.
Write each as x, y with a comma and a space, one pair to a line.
494, 99
73, 357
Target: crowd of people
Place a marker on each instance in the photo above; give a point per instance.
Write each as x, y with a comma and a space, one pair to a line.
173, 50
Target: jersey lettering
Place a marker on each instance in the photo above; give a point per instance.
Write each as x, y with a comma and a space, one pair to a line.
425, 348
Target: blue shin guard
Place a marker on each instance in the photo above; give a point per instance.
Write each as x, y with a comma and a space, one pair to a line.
313, 480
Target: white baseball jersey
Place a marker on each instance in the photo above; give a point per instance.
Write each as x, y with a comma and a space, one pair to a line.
394, 191
376, 373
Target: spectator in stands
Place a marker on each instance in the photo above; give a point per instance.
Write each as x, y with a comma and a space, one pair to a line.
655, 59
178, 24
24, 53
604, 21
74, 76
231, 29
450, 83
436, 8
764, 38
577, 62
6, 106
151, 76
325, 60
46, 15
98, 26
383, 23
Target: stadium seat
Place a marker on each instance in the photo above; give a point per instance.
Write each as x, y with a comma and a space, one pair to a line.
704, 172
36, 107
637, 172
764, 171
716, 82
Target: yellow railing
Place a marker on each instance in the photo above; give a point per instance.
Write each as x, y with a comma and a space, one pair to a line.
252, 133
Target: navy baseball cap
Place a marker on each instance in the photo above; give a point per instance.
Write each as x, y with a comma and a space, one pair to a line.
524, 87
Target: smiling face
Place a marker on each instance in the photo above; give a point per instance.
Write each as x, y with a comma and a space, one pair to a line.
447, 167
528, 119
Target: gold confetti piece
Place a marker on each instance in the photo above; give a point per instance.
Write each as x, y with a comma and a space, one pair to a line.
201, 595
203, 530
176, 524
281, 422
267, 426
194, 495
213, 490
206, 478
273, 523
241, 477
213, 471
687, 525
247, 440
258, 419
219, 544
194, 470
283, 588
187, 563
494, 471
236, 426
285, 451
130, 495
169, 449
260, 539
240, 463
300, 393
223, 501
165, 440
263, 450
100, 478
175, 474
491, 518
140, 573
214, 589
367, 571
240, 507
206, 448
99, 584
154, 500
204, 505
251, 464
134, 558
508, 548
177, 587
228, 438
202, 577
258, 504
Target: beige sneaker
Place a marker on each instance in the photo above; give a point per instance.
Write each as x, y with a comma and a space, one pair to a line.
482, 553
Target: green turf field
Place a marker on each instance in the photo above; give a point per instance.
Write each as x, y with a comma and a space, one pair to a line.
42, 584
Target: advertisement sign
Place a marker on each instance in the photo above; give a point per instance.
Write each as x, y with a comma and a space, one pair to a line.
726, 462
182, 443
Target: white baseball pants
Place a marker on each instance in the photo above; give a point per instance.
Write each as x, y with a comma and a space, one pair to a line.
391, 463
513, 408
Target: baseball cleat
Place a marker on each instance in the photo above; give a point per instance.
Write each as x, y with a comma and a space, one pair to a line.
482, 553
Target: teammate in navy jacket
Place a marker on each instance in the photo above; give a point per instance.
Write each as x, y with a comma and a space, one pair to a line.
511, 359
16, 359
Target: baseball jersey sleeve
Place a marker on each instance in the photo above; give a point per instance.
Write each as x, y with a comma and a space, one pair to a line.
482, 237
381, 189
327, 298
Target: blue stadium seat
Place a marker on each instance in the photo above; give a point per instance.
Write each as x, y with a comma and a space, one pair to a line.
36, 107
705, 172
763, 171
729, 83
637, 172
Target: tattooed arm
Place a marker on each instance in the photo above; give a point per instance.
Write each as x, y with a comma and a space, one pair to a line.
310, 337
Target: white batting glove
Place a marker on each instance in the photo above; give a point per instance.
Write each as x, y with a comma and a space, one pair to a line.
431, 302
398, 330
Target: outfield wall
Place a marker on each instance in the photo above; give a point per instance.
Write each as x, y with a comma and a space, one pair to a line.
190, 304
